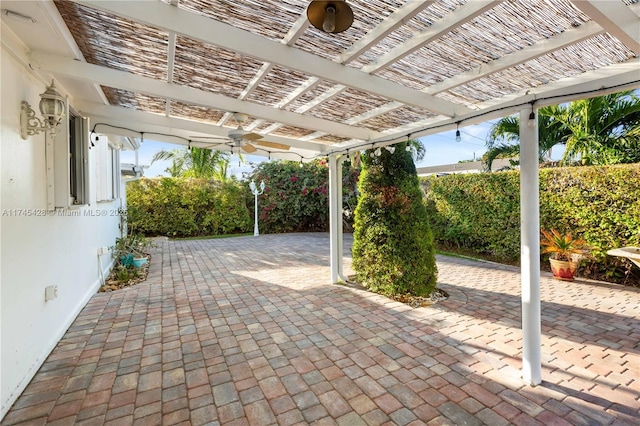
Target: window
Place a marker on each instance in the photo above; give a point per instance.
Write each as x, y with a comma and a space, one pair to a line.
106, 169
71, 153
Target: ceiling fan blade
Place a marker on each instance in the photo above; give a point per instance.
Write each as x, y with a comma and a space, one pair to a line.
251, 137
248, 148
222, 138
212, 145
275, 145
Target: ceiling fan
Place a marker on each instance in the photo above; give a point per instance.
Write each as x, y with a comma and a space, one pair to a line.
243, 139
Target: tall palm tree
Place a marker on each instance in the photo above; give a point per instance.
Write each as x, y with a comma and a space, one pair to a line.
197, 163
601, 130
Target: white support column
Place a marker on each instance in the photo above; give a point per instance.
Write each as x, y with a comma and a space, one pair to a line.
530, 250
335, 217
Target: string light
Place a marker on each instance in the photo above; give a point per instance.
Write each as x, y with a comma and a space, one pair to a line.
532, 118
458, 136
189, 147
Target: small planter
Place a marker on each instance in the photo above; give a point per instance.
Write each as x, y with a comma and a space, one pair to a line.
138, 262
127, 259
563, 269
566, 253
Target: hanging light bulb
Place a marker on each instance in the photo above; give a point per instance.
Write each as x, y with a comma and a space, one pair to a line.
532, 119
189, 146
378, 152
391, 149
329, 24
458, 136
331, 16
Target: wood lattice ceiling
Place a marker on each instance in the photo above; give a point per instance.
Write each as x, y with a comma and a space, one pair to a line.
403, 68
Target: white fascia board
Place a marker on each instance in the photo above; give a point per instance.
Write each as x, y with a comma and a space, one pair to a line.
616, 18
140, 121
162, 89
169, 18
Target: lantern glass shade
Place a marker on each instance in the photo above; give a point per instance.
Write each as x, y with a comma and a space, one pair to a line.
52, 106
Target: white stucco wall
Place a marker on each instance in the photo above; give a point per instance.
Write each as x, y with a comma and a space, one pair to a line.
40, 248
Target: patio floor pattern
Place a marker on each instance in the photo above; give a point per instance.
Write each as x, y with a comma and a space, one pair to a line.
247, 331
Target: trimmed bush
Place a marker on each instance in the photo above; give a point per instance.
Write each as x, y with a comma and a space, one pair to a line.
480, 213
179, 207
392, 250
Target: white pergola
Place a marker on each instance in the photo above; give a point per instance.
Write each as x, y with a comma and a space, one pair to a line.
177, 70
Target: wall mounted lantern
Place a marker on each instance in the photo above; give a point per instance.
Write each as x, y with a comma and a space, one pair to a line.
52, 108
332, 16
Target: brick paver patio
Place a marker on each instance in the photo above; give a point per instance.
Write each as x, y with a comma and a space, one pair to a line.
248, 331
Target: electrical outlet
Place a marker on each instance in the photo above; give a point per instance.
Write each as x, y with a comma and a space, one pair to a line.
50, 292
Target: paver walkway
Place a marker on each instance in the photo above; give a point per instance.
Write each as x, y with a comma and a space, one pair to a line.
248, 331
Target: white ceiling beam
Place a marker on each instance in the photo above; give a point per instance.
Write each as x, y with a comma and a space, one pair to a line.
328, 94
60, 26
382, 109
171, 61
139, 84
544, 47
462, 15
616, 18
140, 121
295, 32
614, 78
399, 17
169, 18
562, 40
298, 28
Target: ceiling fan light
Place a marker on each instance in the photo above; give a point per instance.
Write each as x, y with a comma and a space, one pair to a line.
332, 16
329, 24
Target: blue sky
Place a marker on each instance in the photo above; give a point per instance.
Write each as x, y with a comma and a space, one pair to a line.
441, 149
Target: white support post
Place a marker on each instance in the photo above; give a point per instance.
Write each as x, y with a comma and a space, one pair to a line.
335, 217
530, 250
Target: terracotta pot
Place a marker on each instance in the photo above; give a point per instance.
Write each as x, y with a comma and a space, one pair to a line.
563, 269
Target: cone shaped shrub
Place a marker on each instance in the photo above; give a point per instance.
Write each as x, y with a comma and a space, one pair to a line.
393, 250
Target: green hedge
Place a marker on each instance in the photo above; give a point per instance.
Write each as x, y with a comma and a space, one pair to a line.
296, 196
179, 207
481, 212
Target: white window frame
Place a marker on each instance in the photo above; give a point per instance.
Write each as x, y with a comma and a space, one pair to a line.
106, 172
71, 161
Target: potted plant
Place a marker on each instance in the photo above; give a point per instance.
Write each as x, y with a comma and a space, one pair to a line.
565, 252
129, 250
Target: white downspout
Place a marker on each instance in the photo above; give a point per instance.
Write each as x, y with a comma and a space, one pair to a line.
530, 250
